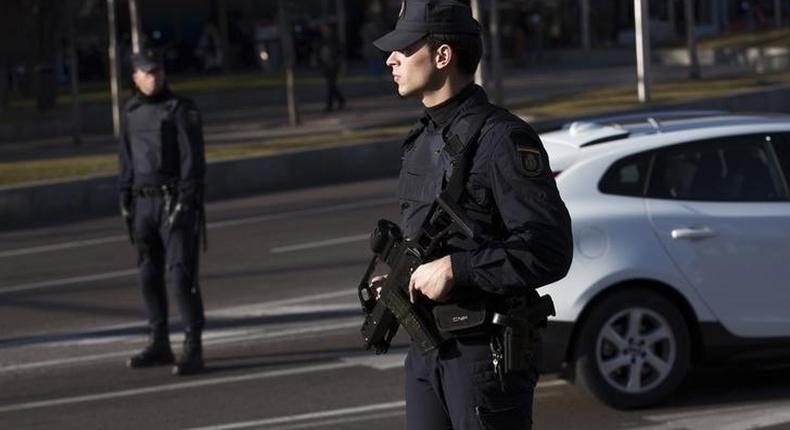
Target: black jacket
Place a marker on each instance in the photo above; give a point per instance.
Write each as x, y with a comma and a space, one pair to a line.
524, 239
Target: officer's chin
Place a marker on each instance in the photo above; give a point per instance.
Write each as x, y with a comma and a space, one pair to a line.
404, 91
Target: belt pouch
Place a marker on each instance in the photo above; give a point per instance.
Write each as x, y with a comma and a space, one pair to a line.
460, 318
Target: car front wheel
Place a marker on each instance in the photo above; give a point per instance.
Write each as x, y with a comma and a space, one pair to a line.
633, 350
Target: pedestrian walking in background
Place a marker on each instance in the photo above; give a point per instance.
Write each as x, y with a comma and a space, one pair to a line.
330, 60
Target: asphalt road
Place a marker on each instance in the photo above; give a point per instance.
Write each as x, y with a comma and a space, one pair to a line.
282, 344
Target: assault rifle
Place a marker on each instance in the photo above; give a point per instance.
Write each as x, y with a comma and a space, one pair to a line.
390, 308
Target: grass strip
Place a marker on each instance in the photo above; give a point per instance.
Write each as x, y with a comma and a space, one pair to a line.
623, 97
19, 172
614, 98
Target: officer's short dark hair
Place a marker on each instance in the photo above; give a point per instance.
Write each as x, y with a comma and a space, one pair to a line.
467, 48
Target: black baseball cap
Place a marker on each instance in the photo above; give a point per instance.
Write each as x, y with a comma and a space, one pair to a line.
146, 60
418, 18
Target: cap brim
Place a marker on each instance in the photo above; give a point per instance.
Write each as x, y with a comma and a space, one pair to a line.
147, 67
398, 39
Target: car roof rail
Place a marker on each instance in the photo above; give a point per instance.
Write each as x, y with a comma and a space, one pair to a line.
645, 116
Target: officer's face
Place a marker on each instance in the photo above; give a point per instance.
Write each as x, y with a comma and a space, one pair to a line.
413, 68
148, 82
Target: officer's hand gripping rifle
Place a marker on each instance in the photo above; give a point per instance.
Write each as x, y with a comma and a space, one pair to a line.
387, 310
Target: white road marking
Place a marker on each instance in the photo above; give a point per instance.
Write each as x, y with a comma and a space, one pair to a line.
62, 246
302, 212
378, 362
288, 306
173, 387
320, 243
729, 418
339, 364
273, 307
552, 383
319, 419
259, 308
308, 416
211, 225
67, 281
334, 422
255, 336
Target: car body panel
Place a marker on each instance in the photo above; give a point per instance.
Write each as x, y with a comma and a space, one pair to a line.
616, 241
741, 267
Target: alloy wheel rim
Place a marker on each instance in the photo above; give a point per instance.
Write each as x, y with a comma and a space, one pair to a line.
635, 350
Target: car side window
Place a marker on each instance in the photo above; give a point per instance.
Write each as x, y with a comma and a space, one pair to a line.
627, 176
782, 150
738, 168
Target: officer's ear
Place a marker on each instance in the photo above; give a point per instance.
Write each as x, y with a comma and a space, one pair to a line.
443, 56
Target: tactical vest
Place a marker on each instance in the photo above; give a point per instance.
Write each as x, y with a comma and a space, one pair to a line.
153, 141
436, 160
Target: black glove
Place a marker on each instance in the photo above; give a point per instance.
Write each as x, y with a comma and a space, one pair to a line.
175, 214
126, 205
127, 214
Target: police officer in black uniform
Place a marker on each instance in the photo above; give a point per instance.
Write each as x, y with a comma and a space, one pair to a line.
162, 167
508, 192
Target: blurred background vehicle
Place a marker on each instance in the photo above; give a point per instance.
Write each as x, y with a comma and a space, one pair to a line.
682, 240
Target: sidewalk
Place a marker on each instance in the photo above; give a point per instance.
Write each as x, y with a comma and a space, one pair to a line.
262, 114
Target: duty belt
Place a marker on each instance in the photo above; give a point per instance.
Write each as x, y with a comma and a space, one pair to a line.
153, 191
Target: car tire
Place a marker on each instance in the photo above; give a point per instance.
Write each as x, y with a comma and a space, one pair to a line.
633, 349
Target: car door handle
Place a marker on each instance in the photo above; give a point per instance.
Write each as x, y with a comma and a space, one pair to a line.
692, 233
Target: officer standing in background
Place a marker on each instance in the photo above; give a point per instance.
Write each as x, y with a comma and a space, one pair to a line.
495, 166
162, 168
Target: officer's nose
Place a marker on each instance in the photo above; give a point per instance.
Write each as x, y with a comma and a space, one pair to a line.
391, 60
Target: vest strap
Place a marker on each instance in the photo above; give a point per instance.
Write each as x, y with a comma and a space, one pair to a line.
460, 138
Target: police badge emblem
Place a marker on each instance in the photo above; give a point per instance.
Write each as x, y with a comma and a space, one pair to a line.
530, 161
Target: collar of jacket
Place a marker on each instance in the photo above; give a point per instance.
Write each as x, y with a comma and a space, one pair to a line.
160, 96
444, 113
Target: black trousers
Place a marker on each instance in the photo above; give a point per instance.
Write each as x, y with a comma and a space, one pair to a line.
172, 254
455, 388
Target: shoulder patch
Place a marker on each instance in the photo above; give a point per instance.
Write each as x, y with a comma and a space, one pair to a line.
193, 116
530, 161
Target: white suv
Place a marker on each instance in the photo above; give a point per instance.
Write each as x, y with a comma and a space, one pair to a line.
681, 249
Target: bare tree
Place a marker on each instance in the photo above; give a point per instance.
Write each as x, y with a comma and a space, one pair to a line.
289, 57
47, 32
71, 16
15, 24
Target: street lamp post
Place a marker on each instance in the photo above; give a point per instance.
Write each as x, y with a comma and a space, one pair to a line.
585, 20
496, 54
114, 78
642, 32
288, 56
134, 21
479, 80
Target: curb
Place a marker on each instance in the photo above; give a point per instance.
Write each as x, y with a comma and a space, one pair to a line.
58, 202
